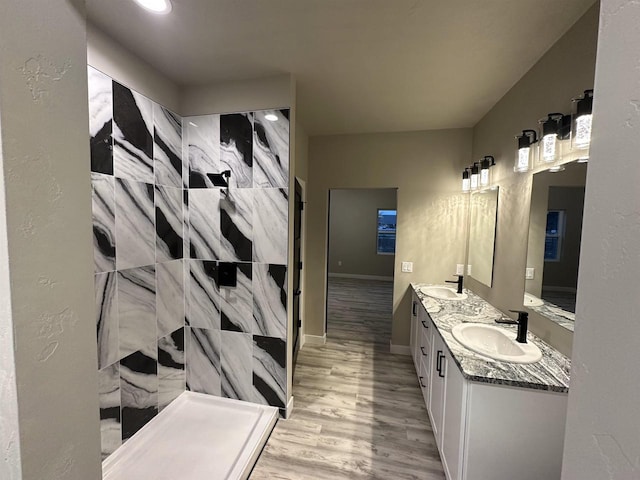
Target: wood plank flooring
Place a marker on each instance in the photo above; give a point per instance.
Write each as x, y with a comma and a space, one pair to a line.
358, 410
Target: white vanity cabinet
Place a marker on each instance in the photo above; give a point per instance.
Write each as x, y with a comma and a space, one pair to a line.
485, 430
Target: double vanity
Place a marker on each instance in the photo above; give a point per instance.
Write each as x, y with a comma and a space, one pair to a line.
497, 406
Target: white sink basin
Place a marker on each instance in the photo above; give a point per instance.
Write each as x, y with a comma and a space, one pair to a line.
443, 293
495, 342
532, 300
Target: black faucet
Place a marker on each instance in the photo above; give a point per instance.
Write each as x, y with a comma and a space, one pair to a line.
459, 282
522, 322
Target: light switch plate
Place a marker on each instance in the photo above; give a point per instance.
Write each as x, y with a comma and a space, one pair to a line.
469, 269
459, 269
407, 267
529, 273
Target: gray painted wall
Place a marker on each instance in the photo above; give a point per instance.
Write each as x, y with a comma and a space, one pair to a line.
602, 440
353, 219
47, 196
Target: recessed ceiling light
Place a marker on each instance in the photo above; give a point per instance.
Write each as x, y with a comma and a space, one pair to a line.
155, 6
271, 117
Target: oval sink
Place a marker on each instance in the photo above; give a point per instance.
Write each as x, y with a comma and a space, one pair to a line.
532, 300
443, 293
495, 342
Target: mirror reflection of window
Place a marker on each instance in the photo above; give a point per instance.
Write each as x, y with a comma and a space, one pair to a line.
554, 235
386, 235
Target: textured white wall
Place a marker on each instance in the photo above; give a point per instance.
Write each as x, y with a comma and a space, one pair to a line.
47, 200
603, 424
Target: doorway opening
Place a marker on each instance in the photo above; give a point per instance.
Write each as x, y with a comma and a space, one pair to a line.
360, 264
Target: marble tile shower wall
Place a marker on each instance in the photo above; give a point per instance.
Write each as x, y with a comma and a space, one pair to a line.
161, 227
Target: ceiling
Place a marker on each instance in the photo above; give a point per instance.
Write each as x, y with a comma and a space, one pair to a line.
360, 65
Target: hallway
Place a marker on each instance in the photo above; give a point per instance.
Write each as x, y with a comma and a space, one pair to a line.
358, 410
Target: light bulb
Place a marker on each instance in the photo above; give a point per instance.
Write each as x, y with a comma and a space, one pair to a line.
155, 6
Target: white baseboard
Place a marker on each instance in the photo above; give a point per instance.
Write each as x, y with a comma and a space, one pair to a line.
289, 408
315, 339
361, 277
399, 349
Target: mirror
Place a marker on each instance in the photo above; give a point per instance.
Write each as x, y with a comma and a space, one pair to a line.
555, 229
482, 235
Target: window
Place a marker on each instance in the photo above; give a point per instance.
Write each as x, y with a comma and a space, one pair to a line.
554, 235
386, 234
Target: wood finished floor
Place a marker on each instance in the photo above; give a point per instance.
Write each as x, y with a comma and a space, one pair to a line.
358, 410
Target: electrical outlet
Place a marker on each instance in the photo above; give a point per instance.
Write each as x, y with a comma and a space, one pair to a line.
469, 269
529, 273
407, 267
459, 269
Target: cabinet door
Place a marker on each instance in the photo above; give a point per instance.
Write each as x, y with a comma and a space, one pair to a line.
437, 398
454, 414
425, 359
414, 340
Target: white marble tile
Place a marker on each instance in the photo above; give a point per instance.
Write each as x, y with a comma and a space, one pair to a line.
170, 297
236, 148
270, 225
136, 308
203, 137
237, 365
185, 224
204, 295
139, 389
106, 318
167, 147
100, 121
171, 372
203, 360
270, 300
132, 135
269, 372
204, 224
236, 303
103, 207
169, 224
236, 226
109, 396
271, 149
135, 230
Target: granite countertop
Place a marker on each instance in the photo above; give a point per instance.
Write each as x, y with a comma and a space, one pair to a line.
550, 373
556, 314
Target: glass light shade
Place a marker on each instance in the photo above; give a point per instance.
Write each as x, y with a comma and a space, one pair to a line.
466, 181
525, 155
522, 159
485, 171
550, 148
475, 177
581, 133
582, 136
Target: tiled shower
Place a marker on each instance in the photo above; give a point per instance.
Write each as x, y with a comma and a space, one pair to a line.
161, 230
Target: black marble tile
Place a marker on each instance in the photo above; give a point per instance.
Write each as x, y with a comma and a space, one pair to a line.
169, 224
236, 226
103, 206
109, 396
133, 139
236, 148
236, 303
236, 365
270, 299
204, 295
171, 368
269, 370
139, 390
106, 319
271, 149
100, 121
167, 150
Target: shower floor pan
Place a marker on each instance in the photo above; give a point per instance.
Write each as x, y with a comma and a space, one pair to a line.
197, 437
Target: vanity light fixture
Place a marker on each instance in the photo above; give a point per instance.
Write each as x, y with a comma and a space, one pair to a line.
271, 117
466, 181
551, 136
581, 134
160, 7
526, 150
475, 176
485, 173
